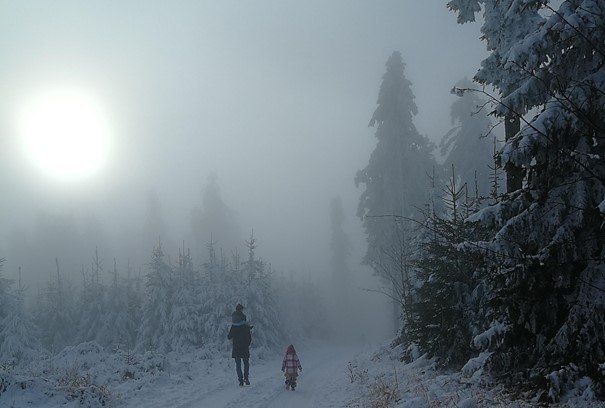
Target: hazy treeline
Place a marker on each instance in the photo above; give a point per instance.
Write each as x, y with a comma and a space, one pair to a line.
173, 306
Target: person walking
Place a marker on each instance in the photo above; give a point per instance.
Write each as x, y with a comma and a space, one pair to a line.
240, 335
291, 366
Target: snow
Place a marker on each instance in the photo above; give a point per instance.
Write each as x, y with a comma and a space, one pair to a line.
179, 380
484, 340
216, 385
473, 368
333, 376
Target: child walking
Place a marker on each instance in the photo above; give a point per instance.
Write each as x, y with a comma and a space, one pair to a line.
290, 366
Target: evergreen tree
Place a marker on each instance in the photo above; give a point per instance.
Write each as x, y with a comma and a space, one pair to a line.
547, 288
510, 21
214, 217
447, 304
118, 327
155, 332
260, 298
253, 268
92, 309
395, 177
221, 290
466, 146
184, 317
18, 342
304, 312
54, 313
133, 305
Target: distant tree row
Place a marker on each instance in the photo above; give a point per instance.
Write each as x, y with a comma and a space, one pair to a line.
172, 308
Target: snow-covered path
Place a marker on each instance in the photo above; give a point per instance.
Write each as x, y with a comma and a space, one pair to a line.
320, 385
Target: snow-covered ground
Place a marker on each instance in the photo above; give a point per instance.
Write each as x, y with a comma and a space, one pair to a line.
320, 384
85, 375
333, 376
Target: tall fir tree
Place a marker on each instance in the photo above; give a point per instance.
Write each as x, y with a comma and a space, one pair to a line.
548, 285
466, 145
214, 218
396, 177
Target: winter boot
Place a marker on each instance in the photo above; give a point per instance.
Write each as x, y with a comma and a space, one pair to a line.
293, 384
241, 382
246, 381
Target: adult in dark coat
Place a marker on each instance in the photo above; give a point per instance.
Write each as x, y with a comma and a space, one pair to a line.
238, 317
240, 334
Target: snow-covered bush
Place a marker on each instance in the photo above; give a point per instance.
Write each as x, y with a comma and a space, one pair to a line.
356, 374
83, 389
384, 393
5, 376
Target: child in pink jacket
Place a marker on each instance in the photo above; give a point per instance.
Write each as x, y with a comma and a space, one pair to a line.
290, 366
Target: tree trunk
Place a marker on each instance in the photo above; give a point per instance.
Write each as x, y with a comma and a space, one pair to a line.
514, 174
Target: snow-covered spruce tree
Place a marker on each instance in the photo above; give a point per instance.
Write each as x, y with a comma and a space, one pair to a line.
134, 298
54, 313
466, 145
186, 298
119, 327
259, 297
445, 310
92, 310
395, 178
18, 342
511, 21
549, 288
221, 290
253, 268
155, 333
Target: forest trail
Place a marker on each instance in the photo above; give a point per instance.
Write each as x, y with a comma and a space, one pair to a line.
320, 385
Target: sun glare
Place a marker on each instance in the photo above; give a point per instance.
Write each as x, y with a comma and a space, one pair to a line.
65, 134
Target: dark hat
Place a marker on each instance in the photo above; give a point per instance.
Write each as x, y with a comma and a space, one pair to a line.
239, 306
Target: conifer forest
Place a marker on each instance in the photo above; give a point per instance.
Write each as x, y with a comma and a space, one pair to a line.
411, 193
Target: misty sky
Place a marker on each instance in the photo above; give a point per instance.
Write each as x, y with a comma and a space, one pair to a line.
273, 96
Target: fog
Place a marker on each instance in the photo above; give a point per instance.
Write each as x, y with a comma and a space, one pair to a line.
270, 99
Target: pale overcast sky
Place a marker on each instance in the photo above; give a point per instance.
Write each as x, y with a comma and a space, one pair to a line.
273, 96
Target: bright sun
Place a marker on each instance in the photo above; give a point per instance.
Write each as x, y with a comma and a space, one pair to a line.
65, 133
